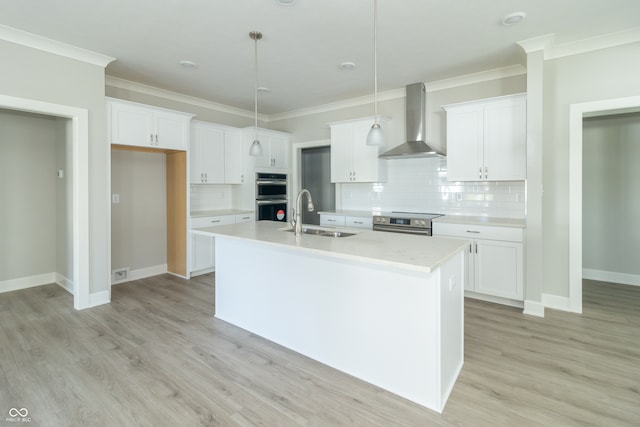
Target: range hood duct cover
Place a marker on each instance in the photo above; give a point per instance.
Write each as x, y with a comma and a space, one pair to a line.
416, 145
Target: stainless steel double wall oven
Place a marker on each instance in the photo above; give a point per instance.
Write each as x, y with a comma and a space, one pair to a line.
271, 197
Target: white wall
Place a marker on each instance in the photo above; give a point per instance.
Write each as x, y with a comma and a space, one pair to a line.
34, 74
592, 76
31, 149
139, 221
611, 201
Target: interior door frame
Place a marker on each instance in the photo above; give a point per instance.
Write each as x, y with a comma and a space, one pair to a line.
576, 113
80, 185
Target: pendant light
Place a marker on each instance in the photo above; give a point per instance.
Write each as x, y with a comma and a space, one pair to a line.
256, 148
375, 136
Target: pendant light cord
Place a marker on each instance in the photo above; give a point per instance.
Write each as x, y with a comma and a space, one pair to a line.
255, 94
375, 60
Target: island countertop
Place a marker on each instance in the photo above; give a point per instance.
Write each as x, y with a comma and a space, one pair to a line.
416, 253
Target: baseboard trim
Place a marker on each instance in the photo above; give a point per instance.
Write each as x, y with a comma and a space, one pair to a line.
611, 276
533, 308
556, 302
64, 283
201, 272
27, 282
491, 298
99, 298
143, 273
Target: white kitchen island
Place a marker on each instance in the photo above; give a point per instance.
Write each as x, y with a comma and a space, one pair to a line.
384, 307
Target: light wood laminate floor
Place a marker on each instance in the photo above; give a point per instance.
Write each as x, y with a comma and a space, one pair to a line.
156, 357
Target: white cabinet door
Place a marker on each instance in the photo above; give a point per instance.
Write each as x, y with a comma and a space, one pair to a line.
276, 147
145, 126
131, 125
279, 148
498, 268
330, 220
486, 140
358, 222
352, 160
464, 144
505, 156
202, 252
172, 131
233, 164
341, 154
207, 154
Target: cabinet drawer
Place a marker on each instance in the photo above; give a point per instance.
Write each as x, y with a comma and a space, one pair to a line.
211, 221
248, 217
358, 222
511, 234
332, 220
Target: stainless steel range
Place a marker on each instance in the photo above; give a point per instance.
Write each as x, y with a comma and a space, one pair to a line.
404, 222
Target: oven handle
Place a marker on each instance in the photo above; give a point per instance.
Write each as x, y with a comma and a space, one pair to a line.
406, 230
261, 182
271, 202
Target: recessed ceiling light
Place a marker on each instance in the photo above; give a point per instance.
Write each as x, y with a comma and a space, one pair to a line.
347, 66
188, 64
514, 18
286, 2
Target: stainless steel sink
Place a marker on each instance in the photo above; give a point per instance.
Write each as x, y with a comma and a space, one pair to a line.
320, 232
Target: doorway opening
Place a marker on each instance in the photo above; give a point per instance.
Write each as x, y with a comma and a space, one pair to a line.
577, 114
76, 204
315, 176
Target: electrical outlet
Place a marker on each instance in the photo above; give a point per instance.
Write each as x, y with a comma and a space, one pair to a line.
120, 275
115, 198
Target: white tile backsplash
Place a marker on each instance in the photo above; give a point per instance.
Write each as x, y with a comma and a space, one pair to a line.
420, 185
211, 197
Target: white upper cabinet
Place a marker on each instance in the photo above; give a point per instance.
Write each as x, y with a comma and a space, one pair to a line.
141, 125
276, 148
486, 139
352, 160
215, 154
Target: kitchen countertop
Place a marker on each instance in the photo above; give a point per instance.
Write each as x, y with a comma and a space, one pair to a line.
218, 212
481, 220
348, 213
416, 253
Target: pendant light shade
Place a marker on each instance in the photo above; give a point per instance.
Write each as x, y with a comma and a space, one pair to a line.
256, 147
375, 137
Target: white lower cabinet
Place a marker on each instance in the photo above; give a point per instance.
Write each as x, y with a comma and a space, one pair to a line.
495, 258
203, 247
349, 221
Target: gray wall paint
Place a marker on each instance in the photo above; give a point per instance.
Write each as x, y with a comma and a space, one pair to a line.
34, 74
611, 194
593, 76
31, 147
139, 221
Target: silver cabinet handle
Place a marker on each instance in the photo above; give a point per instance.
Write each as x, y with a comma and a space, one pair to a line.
473, 231
357, 222
486, 172
480, 173
215, 220
151, 139
156, 139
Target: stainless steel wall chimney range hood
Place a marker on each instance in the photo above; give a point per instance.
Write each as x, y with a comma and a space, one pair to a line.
416, 145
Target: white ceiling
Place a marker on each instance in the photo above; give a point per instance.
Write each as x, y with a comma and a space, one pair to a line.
303, 44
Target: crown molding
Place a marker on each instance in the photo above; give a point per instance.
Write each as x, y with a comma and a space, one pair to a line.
483, 76
35, 41
537, 43
552, 50
178, 97
347, 103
